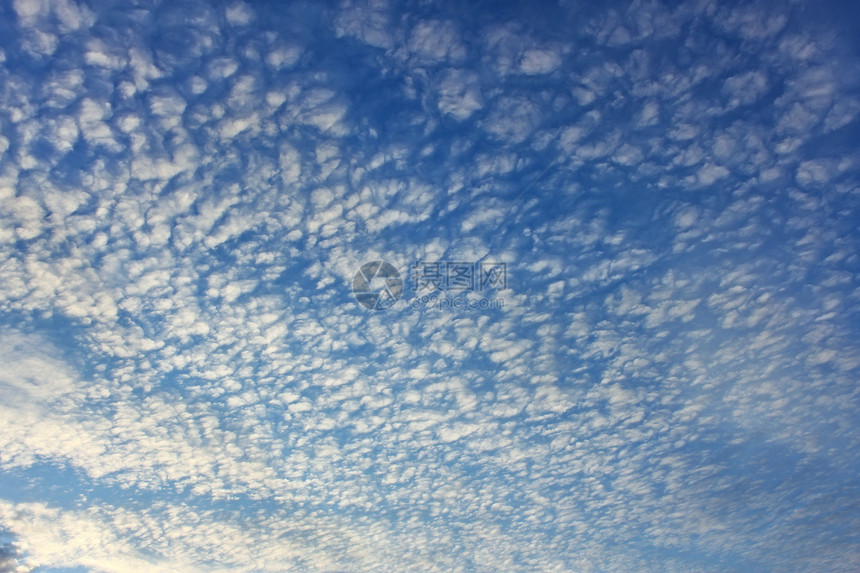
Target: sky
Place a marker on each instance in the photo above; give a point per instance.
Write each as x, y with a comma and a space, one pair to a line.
372, 286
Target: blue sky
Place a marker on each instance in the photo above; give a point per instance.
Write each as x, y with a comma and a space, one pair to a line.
667, 380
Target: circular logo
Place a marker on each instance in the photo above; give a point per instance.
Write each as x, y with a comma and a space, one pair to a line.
377, 285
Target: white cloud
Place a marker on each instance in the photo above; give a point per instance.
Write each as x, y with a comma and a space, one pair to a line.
745, 88
222, 67
283, 57
708, 174
366, 21
687, 217
513, 119
168, 105
182, 219
69, 15
239, 14
460, 94
535, 61
435, 42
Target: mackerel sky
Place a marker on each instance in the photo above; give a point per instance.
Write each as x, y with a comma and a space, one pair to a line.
617, 328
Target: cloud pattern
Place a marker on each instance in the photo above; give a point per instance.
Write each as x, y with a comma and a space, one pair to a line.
188, 384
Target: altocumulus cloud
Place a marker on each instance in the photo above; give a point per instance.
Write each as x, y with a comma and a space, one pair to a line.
186, 192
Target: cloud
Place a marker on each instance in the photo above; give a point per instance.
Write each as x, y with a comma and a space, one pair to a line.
9, 558
745, 88
184, 209
460, 94
239, 14
539, 62
435, 41
513, 119
69, 15
368, 22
